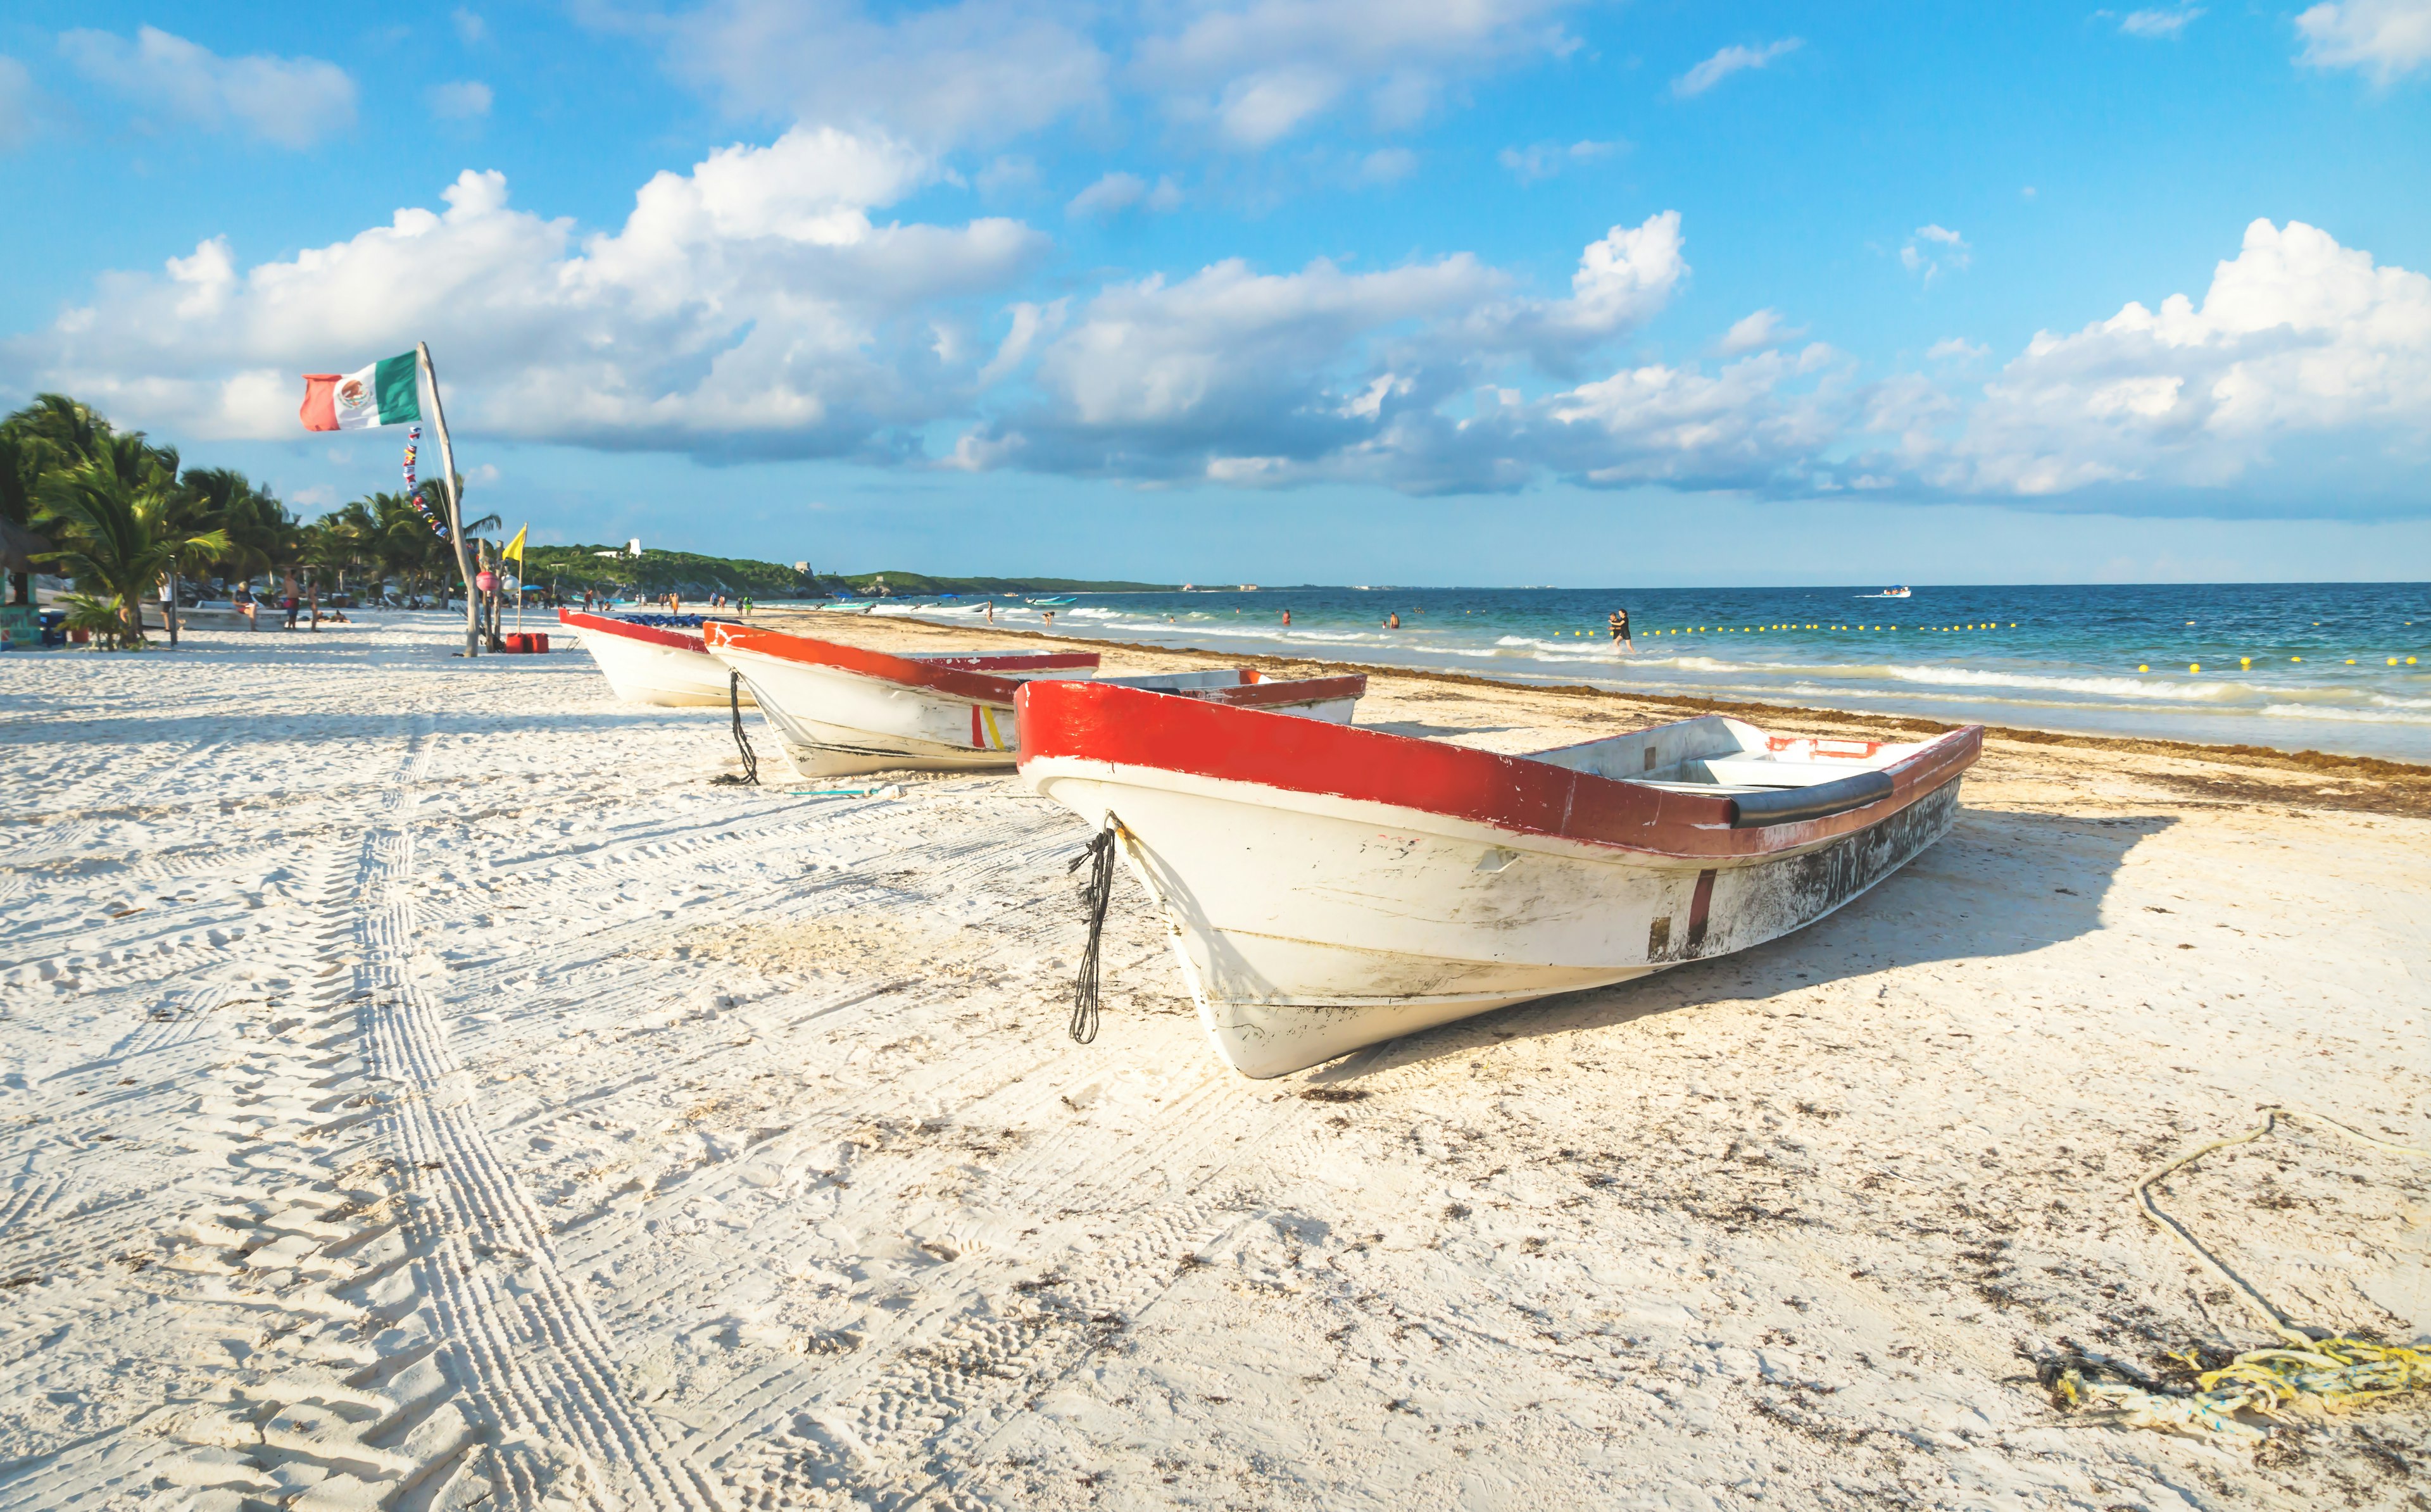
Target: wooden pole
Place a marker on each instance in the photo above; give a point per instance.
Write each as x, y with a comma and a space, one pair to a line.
455, 509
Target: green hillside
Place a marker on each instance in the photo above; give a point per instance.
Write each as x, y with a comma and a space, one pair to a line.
606, 569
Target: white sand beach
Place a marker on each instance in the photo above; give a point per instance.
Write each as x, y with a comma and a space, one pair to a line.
421, 1086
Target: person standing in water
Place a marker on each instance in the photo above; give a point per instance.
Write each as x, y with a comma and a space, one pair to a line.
1619, 624
1392, 621
1286, 617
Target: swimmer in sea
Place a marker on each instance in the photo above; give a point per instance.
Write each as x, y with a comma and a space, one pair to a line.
1288, 617
1620, 626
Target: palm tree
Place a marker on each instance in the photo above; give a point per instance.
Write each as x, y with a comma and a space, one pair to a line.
121, 535
262, 532
20, 471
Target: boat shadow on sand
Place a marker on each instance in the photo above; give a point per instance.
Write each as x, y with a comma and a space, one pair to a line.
2001, 883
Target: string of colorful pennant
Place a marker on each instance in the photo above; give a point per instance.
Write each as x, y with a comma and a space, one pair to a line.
412, 450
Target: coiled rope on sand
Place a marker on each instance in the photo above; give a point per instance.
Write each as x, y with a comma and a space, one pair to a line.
2324, 1372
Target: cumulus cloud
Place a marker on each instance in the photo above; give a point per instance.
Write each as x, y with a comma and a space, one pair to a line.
17, 97
2386, 39
1933, 248
969, 71
1546, 159
1387, 165
2166, 24
1258, 71
1248, 73
1956, 349
2298, 339
1731, 60
1271, 378
465, 100
290, 102
1118, 191
1754, 333
751, 306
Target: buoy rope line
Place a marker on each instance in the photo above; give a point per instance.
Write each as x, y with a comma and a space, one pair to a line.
2324, 1371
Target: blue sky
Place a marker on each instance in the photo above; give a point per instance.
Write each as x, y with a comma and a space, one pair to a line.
1507, 291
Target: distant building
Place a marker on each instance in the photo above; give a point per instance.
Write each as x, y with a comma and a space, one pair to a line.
633, 547
803, 568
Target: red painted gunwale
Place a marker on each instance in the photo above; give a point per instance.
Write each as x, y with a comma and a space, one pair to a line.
959, 677
1262, 693
655, 635
1092, 722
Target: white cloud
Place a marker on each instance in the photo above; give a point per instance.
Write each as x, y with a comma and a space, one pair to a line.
1387, 165
465, 100
970, 71
470, 29
2298, 339
2386, 39
1956, 349
1277, 378
292, 102
1006, 177
1947, 250
1729, 62
1546, 159
2168, 23
1118, 191
1754, 333
17, 97
750, 305
1258, 71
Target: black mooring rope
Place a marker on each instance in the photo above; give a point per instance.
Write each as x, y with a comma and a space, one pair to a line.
1095, 894
742, 741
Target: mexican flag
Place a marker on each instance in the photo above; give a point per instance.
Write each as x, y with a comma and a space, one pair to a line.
384, 393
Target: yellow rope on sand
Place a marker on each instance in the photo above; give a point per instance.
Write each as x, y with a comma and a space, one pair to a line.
2327, 1374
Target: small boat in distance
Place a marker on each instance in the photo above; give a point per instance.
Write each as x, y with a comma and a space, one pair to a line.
1886, 593
653, 658
1055, 603
1329, 889
841, 710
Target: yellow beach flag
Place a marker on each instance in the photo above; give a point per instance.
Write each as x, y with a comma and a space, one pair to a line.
516, 549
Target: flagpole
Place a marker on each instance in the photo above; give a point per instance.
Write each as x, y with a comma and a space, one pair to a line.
455, 509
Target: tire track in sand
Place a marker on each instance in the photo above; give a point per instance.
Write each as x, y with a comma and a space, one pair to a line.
523, 1339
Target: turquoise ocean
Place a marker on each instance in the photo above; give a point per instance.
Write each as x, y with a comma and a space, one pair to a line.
2336, 667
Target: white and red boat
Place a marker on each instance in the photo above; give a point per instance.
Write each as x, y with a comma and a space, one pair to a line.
839, 709
653, 658
1329, 889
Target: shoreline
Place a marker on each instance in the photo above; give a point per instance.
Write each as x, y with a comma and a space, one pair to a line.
2407, 774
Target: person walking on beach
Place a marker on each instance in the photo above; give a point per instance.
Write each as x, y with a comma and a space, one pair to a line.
1619, 624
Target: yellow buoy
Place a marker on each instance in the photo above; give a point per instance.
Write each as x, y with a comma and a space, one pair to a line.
2245, 661
2141, 666
2295, 659
2194, 666
2350, 661
2410, 661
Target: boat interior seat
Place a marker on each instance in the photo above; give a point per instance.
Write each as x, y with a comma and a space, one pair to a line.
1168, 681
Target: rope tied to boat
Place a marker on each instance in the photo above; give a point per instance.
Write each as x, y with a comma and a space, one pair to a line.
742, 742
2328, 1372
1095, 893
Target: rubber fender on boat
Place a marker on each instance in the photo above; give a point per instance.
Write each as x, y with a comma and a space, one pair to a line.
1753, 810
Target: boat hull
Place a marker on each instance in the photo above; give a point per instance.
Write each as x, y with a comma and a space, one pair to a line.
840, 711
646, 664
1310, 924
